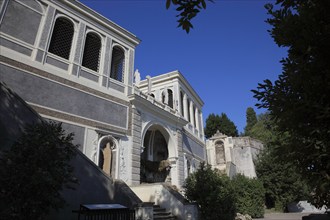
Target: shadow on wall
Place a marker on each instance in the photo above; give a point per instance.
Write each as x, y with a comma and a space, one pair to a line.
15, 114
94, 185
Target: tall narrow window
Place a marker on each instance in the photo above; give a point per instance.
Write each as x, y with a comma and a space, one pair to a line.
182, 106
170, 98
117, 64
189, 119
91, 57
61, 41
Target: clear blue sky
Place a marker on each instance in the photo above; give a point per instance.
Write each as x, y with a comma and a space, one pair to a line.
225, 55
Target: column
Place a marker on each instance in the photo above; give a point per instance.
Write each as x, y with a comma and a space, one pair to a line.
185, 106
202, 123
192, 116
197, 119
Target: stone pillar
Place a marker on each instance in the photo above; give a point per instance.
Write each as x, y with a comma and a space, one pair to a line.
185, 106
179, 102
174, 171
197, 119
192, 115
202, 123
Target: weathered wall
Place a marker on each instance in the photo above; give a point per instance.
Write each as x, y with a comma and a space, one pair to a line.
191, 145
57, 96
94, 185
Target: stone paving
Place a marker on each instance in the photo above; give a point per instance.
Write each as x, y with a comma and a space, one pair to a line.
288, 216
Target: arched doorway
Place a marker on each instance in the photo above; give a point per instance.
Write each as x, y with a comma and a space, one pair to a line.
107, 155
155, 166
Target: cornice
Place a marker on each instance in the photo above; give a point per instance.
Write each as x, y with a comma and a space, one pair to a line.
98, 18
172, 76
161, 113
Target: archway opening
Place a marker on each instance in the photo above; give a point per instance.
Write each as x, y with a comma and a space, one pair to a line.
155, 166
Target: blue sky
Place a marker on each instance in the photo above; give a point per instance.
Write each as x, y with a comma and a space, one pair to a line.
225, 55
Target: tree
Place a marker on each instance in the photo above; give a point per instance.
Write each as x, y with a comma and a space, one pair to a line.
34, 171
188, 10
251, 120
216, 199
249, 195
282, 183
299, 100
221, 123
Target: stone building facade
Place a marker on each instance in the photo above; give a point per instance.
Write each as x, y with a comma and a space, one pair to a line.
74, 66
233, 155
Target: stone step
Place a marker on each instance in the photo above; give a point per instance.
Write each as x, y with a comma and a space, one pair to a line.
162, 214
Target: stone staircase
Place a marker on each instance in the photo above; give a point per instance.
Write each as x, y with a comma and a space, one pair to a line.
162, 214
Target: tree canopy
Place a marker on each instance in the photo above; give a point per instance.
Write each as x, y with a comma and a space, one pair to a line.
299, 100
251, 120
34, 171
221, 123
187, 9
282, 182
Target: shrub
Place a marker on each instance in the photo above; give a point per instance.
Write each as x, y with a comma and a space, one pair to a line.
213, 193
249, 195
34, 171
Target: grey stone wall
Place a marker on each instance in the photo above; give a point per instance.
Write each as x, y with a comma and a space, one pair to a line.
181, 158
94, 185
21, 22
78, 131
60, 97
136, 150
193, 146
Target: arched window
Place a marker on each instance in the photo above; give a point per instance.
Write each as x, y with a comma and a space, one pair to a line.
117, 64
219, 152
91, 57
170, 98
61, 41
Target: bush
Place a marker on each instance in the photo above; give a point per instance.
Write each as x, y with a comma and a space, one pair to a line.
213, 193
249, 195
34, 171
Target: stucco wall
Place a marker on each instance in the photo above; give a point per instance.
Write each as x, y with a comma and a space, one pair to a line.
21, 22
53, 95
192, 146
94, 185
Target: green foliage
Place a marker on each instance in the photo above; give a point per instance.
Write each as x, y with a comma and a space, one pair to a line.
282, 183
221, 123
263, 130
251, 120
299, 100
249, 195
34, 171
213, 193
188, 9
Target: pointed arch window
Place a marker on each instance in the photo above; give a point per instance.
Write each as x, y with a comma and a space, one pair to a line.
117, 64
92, 51
61, 40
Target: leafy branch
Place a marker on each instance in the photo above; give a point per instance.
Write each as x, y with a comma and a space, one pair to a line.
188, 9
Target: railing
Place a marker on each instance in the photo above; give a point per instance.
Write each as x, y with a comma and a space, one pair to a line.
105, 211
